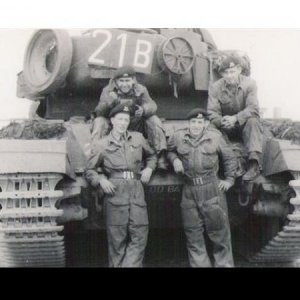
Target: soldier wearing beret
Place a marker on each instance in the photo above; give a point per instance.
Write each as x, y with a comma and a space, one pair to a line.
233, 108
123, 88
194, 153
116, 165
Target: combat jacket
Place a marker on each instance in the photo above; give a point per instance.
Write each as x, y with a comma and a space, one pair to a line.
112, 96
242, 102
200, 156
109, 155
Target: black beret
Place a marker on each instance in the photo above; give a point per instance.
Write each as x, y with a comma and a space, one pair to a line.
229, 62
120, 108
125, 71
197, 113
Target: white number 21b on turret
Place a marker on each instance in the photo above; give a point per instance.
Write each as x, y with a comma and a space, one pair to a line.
115, 48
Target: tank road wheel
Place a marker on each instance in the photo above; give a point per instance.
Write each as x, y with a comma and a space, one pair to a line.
176, 55
285, 246
29, 234
47, 60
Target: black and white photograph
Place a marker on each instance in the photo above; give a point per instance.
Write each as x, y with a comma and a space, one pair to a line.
163, 147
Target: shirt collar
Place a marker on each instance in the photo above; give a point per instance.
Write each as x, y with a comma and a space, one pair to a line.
126, 137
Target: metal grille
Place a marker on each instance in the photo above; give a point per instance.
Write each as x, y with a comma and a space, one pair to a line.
29, 234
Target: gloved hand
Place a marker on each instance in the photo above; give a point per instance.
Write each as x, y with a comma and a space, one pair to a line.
107, 186
139, 112
224, 185
178, 166
146, 175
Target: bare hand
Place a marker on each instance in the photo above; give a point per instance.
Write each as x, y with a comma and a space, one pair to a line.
224, 185
228, 122
146, 175
107, 186
178, 166
139, 112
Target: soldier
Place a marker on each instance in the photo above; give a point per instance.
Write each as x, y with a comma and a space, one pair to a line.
233, 108
123, 88
194, 153
115, 165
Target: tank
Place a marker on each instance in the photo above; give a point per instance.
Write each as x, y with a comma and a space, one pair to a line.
43, 193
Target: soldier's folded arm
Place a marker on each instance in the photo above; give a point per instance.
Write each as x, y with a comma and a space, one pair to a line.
252, 108
94, 171
214, 107
229, 160
149, 106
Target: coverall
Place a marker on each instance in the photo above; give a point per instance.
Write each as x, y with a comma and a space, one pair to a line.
126, 210
203, 205
242, 101
149, 124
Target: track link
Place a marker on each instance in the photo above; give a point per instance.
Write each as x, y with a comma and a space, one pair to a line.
285, 246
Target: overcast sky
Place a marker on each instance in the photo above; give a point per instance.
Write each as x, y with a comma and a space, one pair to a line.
274, 54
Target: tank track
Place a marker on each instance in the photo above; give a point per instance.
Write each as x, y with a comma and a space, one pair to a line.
29, 234
285, 246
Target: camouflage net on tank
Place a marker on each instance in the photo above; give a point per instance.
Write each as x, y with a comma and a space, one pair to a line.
284, 130
35, 129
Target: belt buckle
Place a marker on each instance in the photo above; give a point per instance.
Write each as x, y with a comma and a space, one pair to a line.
128, 175
198, 181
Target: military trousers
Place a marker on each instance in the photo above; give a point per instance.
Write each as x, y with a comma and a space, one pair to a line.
204, 207
152, 129
252, 135
126, 224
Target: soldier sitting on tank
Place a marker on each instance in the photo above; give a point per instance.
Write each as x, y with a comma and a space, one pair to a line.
194, 152
233, 108
123, 88
115, 165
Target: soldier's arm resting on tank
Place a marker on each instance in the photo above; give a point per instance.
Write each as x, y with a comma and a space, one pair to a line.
172, 155
149, 106
108, 100
94, 171
252, 107
214, 108
230, 164
151, 161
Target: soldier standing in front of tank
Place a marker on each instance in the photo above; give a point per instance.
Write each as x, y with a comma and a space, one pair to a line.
115, 165
124, 88
194, 153
233, 108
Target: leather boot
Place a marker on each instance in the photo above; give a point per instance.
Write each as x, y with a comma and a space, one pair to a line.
253, 171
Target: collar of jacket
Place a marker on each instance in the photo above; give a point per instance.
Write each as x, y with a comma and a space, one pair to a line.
137, 89
225, 86
196, 141
126, 137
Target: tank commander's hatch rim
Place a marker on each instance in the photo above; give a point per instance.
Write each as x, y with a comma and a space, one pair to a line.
47, 60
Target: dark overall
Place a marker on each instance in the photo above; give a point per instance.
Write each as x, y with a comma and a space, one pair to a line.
241, 101
203, 205
126, 211
149, 124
